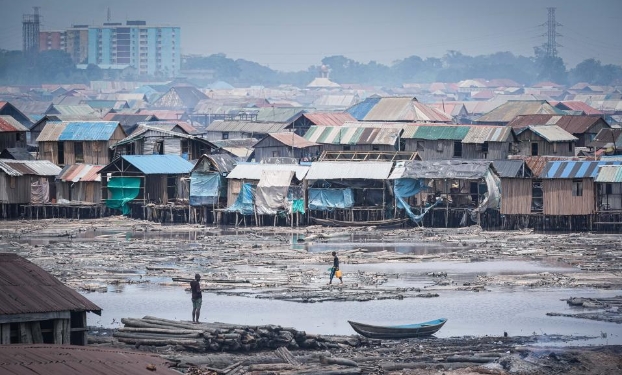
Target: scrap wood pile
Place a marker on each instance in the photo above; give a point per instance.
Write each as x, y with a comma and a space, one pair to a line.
203, 337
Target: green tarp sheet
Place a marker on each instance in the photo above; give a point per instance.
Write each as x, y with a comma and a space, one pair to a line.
122, 190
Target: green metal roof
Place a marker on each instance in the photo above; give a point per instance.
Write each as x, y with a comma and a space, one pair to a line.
456, 133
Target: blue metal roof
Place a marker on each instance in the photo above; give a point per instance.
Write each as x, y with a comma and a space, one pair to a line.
159, 164
88, 131
574, 169
360, 110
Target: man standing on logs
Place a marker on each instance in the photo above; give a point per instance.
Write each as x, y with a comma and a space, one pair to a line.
335, 270
197, 298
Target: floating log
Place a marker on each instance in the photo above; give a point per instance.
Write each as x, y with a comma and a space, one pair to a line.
337, 361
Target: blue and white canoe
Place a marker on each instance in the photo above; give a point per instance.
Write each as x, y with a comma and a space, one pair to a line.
398, 332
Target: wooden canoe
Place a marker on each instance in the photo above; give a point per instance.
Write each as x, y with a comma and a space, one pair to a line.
398, 332
376, 223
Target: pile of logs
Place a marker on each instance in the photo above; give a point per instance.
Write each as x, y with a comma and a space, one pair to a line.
219, 337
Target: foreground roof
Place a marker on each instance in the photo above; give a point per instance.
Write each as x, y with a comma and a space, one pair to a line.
78, 360
329, 118
26, 288
290, 139
609, 173
552, 133
9, 124
246, 126
350, 135
80, 173
396, 109
571, 123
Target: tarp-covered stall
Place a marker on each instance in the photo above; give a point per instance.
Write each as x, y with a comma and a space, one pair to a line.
349, 190
471, 186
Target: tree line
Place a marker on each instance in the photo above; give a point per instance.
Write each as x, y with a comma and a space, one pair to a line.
54, 66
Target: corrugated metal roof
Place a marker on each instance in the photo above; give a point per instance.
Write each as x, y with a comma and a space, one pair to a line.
392, 109
29, 167
481, 134
88, 131
159, 164
435, 132
335, 101
26, 288
553, 133
346, 135
74, 110
508, 111
609, 173
574, 124
247, 126
290, 139
9, 124
252, 171
360, 110
511, 168
48, 359
77, 131
329, 118
338, 170
574, 169
440, 169
80, 173
278, 114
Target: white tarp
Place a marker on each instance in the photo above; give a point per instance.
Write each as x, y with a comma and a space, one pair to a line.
271, 192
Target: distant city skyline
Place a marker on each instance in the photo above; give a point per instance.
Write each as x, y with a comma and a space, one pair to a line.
291, 35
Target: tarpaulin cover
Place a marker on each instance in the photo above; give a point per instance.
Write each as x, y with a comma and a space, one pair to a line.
39, 193
407, 187
244, 204
492, 198
328, 199
272, 191
295, 197
122, 190
204, 189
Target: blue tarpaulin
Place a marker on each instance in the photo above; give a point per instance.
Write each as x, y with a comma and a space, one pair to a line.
407, 187
328, 199
245, 204
204, 189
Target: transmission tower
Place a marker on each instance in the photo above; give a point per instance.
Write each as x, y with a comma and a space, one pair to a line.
30, 31
550, 47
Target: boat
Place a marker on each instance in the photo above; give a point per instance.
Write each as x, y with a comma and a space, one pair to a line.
398, 332
376, 223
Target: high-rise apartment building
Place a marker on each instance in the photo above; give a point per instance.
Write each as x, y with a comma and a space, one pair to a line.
77, 43
151, 50
51, 40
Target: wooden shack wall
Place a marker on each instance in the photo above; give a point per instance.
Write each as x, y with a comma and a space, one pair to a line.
432, 149
611, 201
86, 191
155, 189
14, 189
496, 151
516, 196
527, 137
233, 190
9, 140
558, 198
48, 151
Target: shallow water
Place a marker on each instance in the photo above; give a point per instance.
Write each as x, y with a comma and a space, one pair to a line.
517, 311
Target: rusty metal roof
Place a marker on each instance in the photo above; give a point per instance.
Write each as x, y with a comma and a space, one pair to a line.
574, 124
9, 124
290, 139
247, 126
552, 133
46, 359
481, 134
396, 109
78, 131
29, 167
26, 288
508, 111
538, 163
80, 173
353, 135
329, 118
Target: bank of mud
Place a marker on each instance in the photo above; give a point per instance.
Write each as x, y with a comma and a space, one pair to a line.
281, 263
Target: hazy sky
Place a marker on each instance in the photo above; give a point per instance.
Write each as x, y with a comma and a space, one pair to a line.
293, 35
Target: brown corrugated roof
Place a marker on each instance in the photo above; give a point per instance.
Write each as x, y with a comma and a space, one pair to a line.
329, 118
9, 124
26, 288
77, 360
538, 163
292, 140
571, 123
